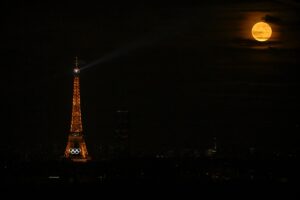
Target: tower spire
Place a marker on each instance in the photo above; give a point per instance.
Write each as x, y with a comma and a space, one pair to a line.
76, 69
76, 62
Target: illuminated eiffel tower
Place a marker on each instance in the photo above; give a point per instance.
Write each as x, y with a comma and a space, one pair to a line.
76, 148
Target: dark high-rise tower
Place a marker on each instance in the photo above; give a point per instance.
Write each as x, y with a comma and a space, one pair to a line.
76, 148
122, 126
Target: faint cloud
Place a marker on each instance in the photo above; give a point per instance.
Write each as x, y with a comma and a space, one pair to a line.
271, 19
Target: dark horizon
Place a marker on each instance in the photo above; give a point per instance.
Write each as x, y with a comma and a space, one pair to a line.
186, 73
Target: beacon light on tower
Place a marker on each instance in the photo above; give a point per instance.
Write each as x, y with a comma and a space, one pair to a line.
76, 70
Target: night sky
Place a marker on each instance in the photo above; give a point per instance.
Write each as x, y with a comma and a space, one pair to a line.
186, 73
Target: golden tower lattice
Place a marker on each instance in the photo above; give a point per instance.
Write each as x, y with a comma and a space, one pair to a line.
76, 149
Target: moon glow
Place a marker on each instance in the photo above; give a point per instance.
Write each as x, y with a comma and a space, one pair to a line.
261, 31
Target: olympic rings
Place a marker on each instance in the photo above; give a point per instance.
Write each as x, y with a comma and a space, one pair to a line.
75, 151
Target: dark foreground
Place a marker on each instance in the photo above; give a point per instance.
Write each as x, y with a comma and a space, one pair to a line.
283, 171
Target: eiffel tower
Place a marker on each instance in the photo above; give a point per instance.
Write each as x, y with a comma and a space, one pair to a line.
76, 148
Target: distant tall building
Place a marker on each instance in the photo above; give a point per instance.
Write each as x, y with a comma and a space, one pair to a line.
76, 149
212, 151
122, 126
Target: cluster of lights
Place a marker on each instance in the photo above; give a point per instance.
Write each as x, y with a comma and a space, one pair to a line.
75, 134
74, 151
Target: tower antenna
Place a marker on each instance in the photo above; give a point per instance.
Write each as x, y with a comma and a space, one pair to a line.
76, 62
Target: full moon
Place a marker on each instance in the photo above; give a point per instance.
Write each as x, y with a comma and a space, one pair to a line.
261, 31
